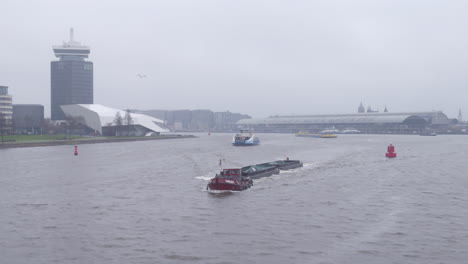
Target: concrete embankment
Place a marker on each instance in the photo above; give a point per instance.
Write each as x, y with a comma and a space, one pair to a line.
43, 143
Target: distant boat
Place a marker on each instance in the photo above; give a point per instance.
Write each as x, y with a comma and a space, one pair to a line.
328, 136
428, 133
330, 131
245, 138
351, 131
307, 134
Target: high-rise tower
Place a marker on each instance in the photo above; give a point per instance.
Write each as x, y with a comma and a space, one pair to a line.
71, 79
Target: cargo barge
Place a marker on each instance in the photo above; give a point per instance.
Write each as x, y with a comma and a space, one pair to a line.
242, 179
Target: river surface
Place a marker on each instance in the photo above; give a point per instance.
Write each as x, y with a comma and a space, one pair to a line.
145, 202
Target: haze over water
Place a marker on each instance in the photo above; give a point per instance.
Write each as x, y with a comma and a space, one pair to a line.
145, 202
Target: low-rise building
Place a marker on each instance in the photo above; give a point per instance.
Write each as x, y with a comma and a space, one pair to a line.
28, 118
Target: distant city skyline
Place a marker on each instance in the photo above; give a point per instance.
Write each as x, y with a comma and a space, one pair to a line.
251, 57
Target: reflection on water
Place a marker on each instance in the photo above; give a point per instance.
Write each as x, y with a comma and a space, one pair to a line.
146, 202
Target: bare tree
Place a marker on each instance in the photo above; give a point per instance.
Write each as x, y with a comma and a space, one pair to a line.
2, 124
28, 123
118, 121
128, 120
5, 126
48, 126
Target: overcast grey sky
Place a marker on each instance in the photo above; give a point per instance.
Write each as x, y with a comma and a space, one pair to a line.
256, 57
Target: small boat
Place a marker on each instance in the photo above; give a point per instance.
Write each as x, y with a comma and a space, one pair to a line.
351, 131
242, 179
328, 136
330, 131
307, 134
245, 138
428, 133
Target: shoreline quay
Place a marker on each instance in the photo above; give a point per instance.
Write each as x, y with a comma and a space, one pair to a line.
46, 143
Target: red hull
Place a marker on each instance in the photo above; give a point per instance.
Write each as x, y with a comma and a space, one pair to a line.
219, 184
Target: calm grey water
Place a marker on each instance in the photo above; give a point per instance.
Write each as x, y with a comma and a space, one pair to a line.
145, 202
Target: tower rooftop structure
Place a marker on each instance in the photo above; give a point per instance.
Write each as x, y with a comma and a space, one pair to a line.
71, 50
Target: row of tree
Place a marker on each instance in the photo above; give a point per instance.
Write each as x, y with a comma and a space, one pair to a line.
5, 126
72, 125
126, 120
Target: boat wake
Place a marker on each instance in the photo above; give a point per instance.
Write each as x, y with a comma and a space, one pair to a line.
296, 170
221, 192
206, 177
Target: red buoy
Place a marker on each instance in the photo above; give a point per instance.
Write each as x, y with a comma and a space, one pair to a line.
76, 150
390, 152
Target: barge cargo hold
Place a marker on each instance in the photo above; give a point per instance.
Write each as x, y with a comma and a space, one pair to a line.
285, 164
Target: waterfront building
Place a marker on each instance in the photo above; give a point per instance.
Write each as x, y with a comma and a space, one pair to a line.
6, 110
197, 120
102, 120
226, 121
202, 120
28, 118
71, 77
398, 123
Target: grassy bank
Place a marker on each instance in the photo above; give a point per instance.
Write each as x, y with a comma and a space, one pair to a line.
21, 138
22, 141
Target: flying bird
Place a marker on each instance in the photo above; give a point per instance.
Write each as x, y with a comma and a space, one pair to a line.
141, 75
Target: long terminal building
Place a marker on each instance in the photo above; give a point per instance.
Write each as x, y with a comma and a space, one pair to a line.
398, 123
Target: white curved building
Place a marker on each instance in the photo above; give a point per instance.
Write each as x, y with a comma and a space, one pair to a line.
102, 120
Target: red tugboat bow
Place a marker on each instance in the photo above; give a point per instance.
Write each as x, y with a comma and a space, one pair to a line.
230, 180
